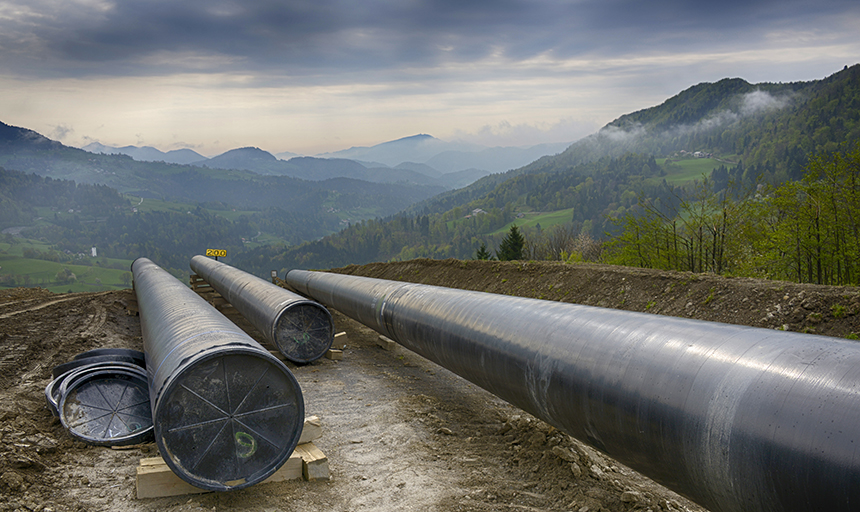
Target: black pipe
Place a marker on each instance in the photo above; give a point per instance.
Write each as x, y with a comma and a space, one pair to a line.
226, 413
735, 418
301, 329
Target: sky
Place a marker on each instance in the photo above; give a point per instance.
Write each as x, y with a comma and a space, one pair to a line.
313, 76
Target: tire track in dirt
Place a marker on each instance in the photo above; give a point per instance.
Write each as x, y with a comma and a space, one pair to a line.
43, 305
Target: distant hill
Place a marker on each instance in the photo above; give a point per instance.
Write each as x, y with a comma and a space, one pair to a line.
147, 153
317, 169
446, 157
249, 159
420, 168
417, 148
27, 151
776, 127
450, 165
286, 155
13, 138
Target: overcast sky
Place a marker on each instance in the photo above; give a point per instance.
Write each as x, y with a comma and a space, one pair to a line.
320, 75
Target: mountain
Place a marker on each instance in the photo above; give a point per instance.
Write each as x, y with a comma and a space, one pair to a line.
762, 133
27, 151
445, 157
777, 126
423, 154
316, 169
781, 124
419, 168
417, 148
13, 138
249, 159
147, 153
286, 155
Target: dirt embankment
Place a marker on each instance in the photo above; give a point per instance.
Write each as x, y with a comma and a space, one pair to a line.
400, 432
827, 310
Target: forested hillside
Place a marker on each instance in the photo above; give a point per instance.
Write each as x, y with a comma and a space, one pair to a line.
75, 217
21, 193
803, 231
766, 135
27, 151
775, 125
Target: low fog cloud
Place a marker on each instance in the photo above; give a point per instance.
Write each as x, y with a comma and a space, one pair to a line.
60, 132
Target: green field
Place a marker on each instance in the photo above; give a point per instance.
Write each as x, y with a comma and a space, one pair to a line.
90, 274
532, 219
679, 172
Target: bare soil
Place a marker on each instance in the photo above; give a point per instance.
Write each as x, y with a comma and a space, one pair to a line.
400, 432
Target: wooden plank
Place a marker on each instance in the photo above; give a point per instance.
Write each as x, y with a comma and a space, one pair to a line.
385, 342
334, 354
314, 462
156, 480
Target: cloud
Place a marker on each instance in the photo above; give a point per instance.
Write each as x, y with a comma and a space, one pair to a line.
313, 75
748, 104
331, 37
759, 101
524, 134
60, 132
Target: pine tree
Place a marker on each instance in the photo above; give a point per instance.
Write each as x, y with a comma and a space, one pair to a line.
512, 245
483, 253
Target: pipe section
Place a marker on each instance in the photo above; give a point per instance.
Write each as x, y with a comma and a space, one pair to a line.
226, 413
735, 418
301, 329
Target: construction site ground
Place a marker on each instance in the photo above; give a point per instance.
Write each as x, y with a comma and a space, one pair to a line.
400, 432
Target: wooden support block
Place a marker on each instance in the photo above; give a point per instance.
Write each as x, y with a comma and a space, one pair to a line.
311, 431
334, 354
314, 462
156, 480
221, 304
385, 342
340, 340
197, 282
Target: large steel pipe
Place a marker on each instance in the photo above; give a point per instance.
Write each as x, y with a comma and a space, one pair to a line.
735, 418
301, 329
226, 413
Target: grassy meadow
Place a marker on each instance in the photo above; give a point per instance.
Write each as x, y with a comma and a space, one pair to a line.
84, 274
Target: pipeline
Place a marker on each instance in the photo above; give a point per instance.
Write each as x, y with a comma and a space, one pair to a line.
301, 329
735, 418
226, 413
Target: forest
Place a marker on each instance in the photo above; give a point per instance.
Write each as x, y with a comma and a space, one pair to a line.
804, 231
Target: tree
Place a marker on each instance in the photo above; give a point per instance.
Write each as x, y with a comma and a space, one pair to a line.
512, 245
483, 253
